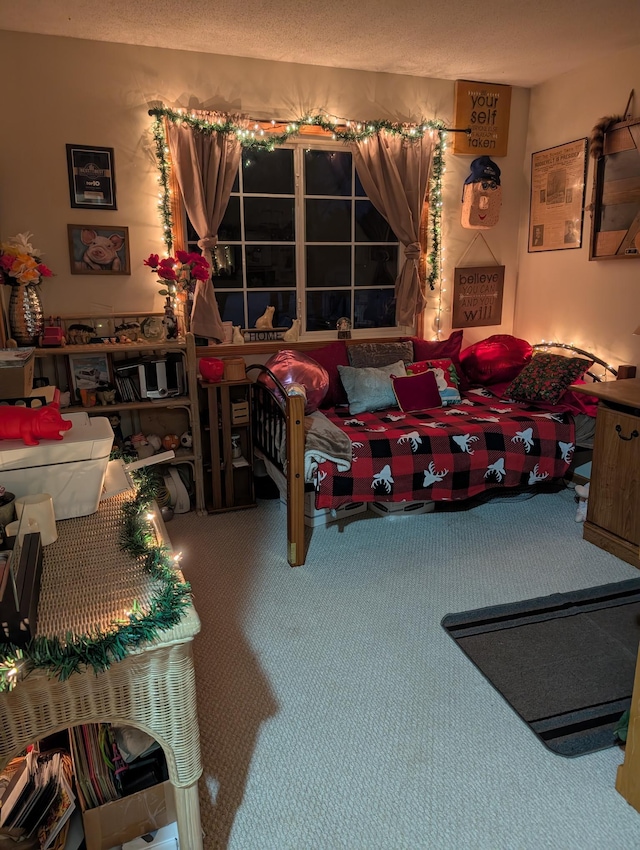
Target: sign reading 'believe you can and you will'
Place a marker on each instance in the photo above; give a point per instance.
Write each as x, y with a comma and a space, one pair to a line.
477, 296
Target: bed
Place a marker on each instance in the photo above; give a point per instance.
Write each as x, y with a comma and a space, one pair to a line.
484, 441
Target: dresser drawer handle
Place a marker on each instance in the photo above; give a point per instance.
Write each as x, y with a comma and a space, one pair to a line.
634, 433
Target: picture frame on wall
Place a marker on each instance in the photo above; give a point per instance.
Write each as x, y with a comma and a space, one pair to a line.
556, 209
92, 183
98, 250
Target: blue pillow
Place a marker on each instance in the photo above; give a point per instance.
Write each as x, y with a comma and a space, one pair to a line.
368, 388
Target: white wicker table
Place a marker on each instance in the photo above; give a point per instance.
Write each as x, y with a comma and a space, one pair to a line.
87, 581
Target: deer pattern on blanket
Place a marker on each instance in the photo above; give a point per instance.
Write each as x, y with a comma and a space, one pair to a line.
447, 454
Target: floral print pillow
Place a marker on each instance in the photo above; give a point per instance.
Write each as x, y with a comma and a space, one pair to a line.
546, 377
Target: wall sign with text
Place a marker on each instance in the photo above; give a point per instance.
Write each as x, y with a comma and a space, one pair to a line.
477, 296
484, 108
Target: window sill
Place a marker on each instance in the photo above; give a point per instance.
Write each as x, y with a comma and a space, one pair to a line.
227, 350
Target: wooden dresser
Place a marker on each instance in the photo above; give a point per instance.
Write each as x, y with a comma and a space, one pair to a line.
613, 510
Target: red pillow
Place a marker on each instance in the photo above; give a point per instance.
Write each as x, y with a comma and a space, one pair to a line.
416, 392
497, 358
330, 357
436, 349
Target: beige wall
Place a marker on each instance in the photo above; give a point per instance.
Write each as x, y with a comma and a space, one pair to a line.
65, 90
561, 295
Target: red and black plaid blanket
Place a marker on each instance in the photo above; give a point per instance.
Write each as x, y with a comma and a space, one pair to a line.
448, 453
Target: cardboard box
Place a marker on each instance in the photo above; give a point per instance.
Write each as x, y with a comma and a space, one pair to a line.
123, 820
16, 379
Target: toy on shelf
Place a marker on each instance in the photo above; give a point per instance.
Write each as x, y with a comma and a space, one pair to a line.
186, 439
52, 335
170, 441
78, 334
32, 425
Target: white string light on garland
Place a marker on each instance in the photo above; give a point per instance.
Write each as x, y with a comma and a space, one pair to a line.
340, 129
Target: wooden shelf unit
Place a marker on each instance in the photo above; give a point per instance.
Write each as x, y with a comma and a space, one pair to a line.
189, 402
231, 478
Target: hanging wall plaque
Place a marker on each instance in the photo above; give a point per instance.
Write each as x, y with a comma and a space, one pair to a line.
484, 108
477, 296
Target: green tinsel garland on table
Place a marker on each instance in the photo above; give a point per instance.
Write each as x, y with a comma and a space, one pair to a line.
103, 647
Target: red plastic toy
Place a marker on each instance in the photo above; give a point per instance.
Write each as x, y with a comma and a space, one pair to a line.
32, 425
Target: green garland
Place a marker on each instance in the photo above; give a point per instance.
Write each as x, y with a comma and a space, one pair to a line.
103, 647
347, 132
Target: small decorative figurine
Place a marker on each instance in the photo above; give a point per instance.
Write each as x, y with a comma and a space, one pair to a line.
265, 321
237, 337
170, 442
293, 333
32, 424
170, 322
344, 328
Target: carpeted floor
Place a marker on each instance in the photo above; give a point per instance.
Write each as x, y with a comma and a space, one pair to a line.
335, 712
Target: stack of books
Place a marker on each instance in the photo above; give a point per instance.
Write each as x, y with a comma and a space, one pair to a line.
93, 753
36, 798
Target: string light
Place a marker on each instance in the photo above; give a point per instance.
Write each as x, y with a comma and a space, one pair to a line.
569, 346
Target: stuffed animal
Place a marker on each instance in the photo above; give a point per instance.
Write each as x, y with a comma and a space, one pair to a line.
265, 321
32, 424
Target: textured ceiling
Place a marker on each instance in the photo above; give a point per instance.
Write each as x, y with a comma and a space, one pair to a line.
502, 41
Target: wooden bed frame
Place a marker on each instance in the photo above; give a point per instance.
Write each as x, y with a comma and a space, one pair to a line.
270, 417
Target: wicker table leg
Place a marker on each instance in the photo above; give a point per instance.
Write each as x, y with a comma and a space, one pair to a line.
188, 817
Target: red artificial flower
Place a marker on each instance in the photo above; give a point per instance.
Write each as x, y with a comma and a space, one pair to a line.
166, 273
183, 256
152, 261
45, 271
200, 272
6, 261
167, 263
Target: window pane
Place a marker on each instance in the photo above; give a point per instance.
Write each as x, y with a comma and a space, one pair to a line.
268, 172
328, 266
192, 236
271, 265
359, 187
370, 225
228, 260
284, 302
328, 221
376, 265
231, 307
325, 308
230, 225
374, 308
269, 219
327, 173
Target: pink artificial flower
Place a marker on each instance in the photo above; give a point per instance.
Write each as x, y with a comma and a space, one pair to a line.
6, 261
152, 261
45, 271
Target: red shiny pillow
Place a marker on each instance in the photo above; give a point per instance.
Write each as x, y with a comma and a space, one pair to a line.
429, 349
294, 367
330, 357
498, 358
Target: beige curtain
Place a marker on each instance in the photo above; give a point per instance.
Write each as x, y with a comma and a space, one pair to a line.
205, 166
395, 174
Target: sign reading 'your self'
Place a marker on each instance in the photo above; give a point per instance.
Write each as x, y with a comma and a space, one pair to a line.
484, 108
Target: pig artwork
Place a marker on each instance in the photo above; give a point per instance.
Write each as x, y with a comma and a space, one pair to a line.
32, 424
102, 253
481, 195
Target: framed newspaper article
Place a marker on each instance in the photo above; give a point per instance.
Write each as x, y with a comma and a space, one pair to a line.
557, 197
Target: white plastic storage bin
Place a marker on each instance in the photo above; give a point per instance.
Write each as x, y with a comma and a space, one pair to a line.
71, 470
314, 517
395, 509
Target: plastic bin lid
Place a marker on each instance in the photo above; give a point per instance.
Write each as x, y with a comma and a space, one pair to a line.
90, 438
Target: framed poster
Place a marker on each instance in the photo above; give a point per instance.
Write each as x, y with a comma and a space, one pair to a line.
92, 183
98, 250
557, 197
477, 296
485, 109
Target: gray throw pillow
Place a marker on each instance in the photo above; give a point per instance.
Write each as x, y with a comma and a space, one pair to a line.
378, 354
370, 389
